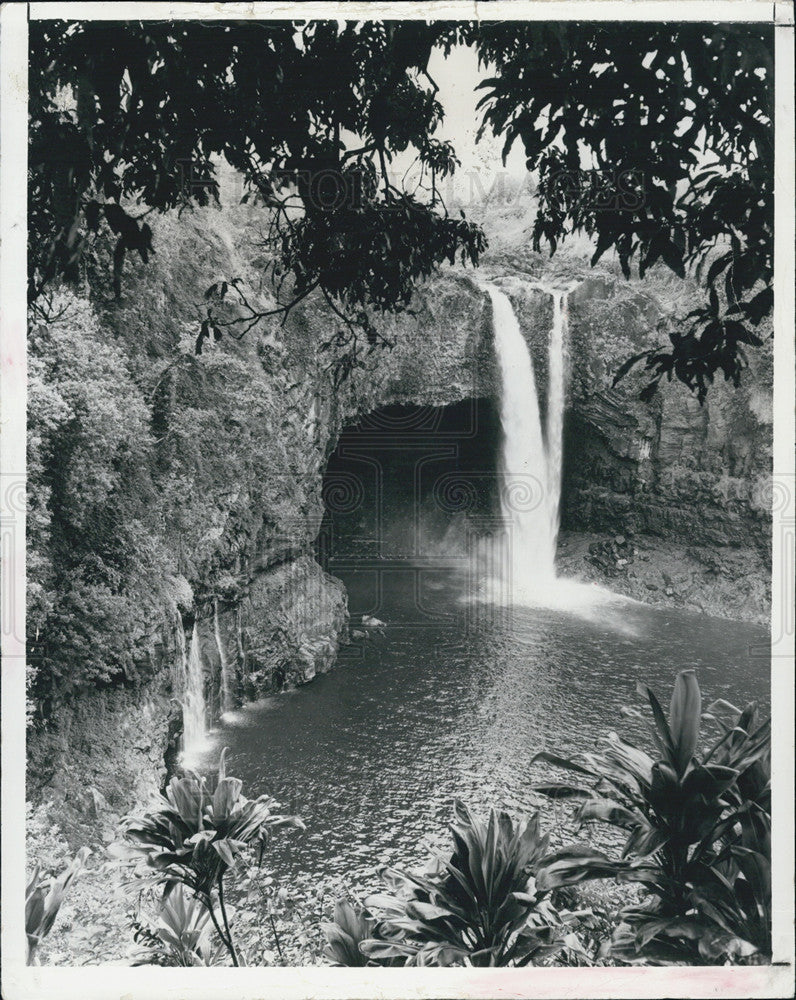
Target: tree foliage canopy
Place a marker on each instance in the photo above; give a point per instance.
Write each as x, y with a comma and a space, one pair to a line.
658, 142
655, 139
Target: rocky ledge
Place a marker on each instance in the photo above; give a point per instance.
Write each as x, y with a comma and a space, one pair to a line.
722, 582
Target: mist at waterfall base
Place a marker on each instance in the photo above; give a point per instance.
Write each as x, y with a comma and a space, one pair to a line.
476, 668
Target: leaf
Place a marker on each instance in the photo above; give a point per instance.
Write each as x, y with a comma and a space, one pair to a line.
564, 762
116, 217
572, 865
426, 911
662, 734
717, 267
759, 306
605, 240
560, 790
225, 798
187, 796
644, 841
709, 781
341, 947
608, 811
673, 258
92, 213
222, 764
202, 335
649, 391
224, 851
756, 869
685, 714
665, 784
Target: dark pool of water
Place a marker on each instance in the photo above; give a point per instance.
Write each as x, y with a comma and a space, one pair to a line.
447, 703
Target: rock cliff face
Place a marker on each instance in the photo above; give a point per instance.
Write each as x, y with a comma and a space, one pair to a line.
237, 440
671, 468
229, 450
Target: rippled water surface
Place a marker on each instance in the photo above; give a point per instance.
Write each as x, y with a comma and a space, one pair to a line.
454, 700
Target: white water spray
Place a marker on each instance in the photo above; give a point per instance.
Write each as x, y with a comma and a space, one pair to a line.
193, 701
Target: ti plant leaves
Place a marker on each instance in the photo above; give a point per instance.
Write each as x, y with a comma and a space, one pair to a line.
192, 837
696, 830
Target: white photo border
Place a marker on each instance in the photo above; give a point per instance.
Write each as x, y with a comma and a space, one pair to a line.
20, 982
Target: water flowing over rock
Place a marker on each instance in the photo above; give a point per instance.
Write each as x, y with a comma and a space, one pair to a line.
226, 680
531, 467
555, 410
193, 705
526, 494
234, 444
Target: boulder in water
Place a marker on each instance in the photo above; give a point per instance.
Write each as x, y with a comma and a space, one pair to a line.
370, 622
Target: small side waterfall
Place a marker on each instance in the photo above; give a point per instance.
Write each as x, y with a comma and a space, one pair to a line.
193, 700
531, 461
226, 688
181, 664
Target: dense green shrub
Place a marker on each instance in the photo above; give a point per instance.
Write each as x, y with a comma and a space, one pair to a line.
697, 832
95, 562
193, 838
43, 899
479, 905
147, 462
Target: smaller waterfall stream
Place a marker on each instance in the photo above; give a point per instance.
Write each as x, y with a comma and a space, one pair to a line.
226, 691
193, 700
554, 428
181, 664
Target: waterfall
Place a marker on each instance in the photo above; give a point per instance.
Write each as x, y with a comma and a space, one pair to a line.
531, 460
555, 411
226, 693
181, 671
193, 700
531, 465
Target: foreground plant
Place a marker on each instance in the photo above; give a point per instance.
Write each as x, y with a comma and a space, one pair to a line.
479, 905
43, 899
193, 838
182, 935
351, 928
697, 833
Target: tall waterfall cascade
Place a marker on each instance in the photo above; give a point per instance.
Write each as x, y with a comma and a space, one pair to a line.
194, 716
531, 464
531, 457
